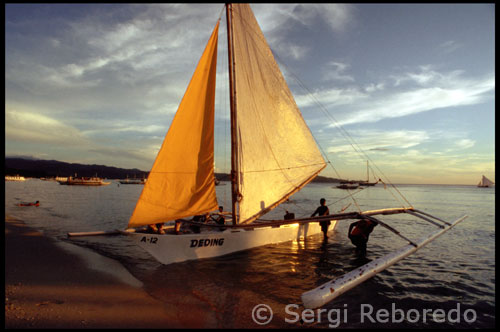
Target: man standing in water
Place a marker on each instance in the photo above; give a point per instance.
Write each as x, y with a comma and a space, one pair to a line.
323, 210
359, 233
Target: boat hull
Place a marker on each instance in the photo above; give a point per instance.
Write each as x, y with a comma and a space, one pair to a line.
345, 186
132, 182
84, 183
171, 248
15, 178
28, 204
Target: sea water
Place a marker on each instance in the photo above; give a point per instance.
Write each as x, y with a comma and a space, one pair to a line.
450, 283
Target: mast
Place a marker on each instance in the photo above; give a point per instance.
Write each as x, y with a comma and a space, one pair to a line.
367, 172
232, 102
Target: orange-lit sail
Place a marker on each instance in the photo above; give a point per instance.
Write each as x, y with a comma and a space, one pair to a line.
181, 181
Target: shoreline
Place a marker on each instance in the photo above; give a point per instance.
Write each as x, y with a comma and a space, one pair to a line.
55, 285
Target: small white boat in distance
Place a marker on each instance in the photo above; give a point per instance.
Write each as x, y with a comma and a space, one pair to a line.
14, 178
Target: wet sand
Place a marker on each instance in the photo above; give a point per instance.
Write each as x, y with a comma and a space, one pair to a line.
48, 284
54, 284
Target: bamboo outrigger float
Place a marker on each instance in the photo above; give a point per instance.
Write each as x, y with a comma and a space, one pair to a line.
330, 290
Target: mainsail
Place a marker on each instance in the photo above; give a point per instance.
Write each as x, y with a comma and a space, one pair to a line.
181, 181
277, 154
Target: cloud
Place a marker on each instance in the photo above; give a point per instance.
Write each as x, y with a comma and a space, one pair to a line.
331, 97
336, 16
277, 20
450, 46
378, 140
296, 51
335, 71
411, 93
465, 143
33, 127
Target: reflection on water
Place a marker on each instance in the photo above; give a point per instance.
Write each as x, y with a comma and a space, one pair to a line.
457, 268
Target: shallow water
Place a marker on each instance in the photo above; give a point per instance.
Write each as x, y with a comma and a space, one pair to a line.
455, 273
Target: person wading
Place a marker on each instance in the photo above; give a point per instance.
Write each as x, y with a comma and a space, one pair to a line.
323, 210
359, 232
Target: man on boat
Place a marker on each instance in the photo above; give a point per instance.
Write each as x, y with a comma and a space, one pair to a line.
219, 218
359, 233
156, 228
323, 210
200, 219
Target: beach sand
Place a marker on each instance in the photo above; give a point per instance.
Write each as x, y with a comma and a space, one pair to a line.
54, 284
48, 284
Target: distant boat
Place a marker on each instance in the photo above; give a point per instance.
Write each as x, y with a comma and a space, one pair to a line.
485, 183
348, 186
14, 178
84, 181
133, 181
37, 203
48, 179
367, 183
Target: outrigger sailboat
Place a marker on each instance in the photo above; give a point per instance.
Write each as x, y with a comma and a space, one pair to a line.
273, 156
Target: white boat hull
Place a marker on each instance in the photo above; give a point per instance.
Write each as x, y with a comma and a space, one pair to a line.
171, 248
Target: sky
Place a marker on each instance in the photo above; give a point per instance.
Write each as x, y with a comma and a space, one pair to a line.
412, 85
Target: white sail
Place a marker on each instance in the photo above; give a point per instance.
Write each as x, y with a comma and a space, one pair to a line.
277, 152
485, 182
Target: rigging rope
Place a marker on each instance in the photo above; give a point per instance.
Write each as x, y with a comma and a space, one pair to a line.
344, 132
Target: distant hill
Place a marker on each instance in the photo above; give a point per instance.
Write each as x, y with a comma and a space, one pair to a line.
38, 168
50, 168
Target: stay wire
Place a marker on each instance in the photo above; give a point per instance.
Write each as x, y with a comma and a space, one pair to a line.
344, 132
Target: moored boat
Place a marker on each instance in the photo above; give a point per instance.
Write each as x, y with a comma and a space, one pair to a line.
367, 183
37, 203
133, 181
14, 178
84, 181
349, 186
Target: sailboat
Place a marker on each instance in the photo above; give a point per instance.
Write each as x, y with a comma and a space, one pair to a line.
367, 183
485, 183
273, 156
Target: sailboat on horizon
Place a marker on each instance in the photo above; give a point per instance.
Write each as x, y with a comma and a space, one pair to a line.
273, 156
367, 183
485, 183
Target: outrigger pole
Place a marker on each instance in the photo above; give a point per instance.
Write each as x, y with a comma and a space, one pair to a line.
332, 289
